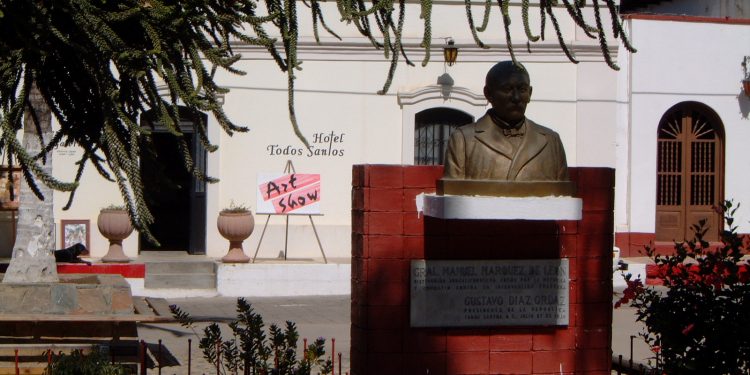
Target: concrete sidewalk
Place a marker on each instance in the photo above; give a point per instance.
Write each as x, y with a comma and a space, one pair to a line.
326, 316
625, 330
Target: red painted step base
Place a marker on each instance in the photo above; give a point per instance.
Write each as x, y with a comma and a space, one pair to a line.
129, 270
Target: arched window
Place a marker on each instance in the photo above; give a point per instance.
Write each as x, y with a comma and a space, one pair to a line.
690, 172
432, 130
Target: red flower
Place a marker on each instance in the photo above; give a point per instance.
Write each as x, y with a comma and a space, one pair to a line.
677, 270
743, 274
688, 329
656, 348
634, 289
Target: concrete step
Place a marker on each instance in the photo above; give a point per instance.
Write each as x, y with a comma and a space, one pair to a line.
181, 281
180, 275
161, 268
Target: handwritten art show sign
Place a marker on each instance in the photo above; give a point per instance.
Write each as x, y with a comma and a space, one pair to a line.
482, 293
288, 194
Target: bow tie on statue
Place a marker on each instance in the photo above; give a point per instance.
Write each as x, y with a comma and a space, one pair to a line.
513, 132
509, 130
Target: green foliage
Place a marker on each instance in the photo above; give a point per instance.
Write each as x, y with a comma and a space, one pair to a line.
249, 349
105, 68
182, 316
236, 207
77, 363
700, 325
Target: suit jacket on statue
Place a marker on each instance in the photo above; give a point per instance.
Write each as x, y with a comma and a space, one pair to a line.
480, 151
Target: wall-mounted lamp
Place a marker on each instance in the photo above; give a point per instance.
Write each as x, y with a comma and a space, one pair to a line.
746, 74
450, 51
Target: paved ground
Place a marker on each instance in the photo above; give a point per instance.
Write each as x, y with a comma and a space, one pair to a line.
315, 316
626, 330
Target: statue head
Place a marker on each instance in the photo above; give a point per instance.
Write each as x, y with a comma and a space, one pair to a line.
508, 89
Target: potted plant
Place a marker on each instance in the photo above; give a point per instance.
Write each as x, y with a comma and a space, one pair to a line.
114, 224
746, 79
235, 223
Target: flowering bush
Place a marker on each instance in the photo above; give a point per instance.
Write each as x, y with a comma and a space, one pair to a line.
699, 322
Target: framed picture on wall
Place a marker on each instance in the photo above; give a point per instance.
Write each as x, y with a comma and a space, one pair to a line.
73, 232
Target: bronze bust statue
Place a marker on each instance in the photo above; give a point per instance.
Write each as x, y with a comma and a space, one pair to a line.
503, 145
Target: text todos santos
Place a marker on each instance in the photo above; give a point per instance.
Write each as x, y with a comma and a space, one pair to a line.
323, 144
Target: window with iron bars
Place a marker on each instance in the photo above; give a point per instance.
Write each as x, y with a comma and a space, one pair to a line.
433, 128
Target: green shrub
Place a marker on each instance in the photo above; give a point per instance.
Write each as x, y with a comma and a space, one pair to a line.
249, 348
78, 363
236, 208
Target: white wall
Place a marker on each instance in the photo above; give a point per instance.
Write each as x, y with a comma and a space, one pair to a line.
622, 141
93, 194
596, 88
685, 61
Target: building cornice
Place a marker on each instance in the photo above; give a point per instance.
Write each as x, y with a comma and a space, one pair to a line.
359, 49
683, 18
163, 91
442, 92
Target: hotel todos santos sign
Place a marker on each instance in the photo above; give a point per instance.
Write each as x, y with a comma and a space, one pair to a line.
469, 293
288, 194
324, 144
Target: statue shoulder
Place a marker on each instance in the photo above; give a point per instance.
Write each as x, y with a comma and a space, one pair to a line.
463, 131
542, 129
471, 128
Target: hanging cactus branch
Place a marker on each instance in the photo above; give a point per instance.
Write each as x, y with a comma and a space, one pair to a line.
486, 18
602, 39
525, 19
560, 39
574, 10
426, 15
470, 18
504, 10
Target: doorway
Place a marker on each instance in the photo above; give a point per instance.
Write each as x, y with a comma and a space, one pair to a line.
176, 198
690, 172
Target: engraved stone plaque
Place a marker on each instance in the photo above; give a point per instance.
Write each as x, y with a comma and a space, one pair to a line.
483, 293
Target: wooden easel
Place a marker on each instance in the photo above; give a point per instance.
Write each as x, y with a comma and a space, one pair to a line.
289, 168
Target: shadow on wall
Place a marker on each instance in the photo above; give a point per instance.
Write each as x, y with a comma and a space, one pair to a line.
744, 102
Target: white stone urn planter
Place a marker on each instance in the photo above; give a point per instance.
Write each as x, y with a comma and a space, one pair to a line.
114, 225
236, 227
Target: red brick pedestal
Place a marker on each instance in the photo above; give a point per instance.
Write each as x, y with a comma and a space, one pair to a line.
387, 235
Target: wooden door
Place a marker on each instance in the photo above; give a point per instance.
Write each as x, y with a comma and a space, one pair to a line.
175, 196
690, 164
197, 242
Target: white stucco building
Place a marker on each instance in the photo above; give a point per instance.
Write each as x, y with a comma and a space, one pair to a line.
687, 67
682, 120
